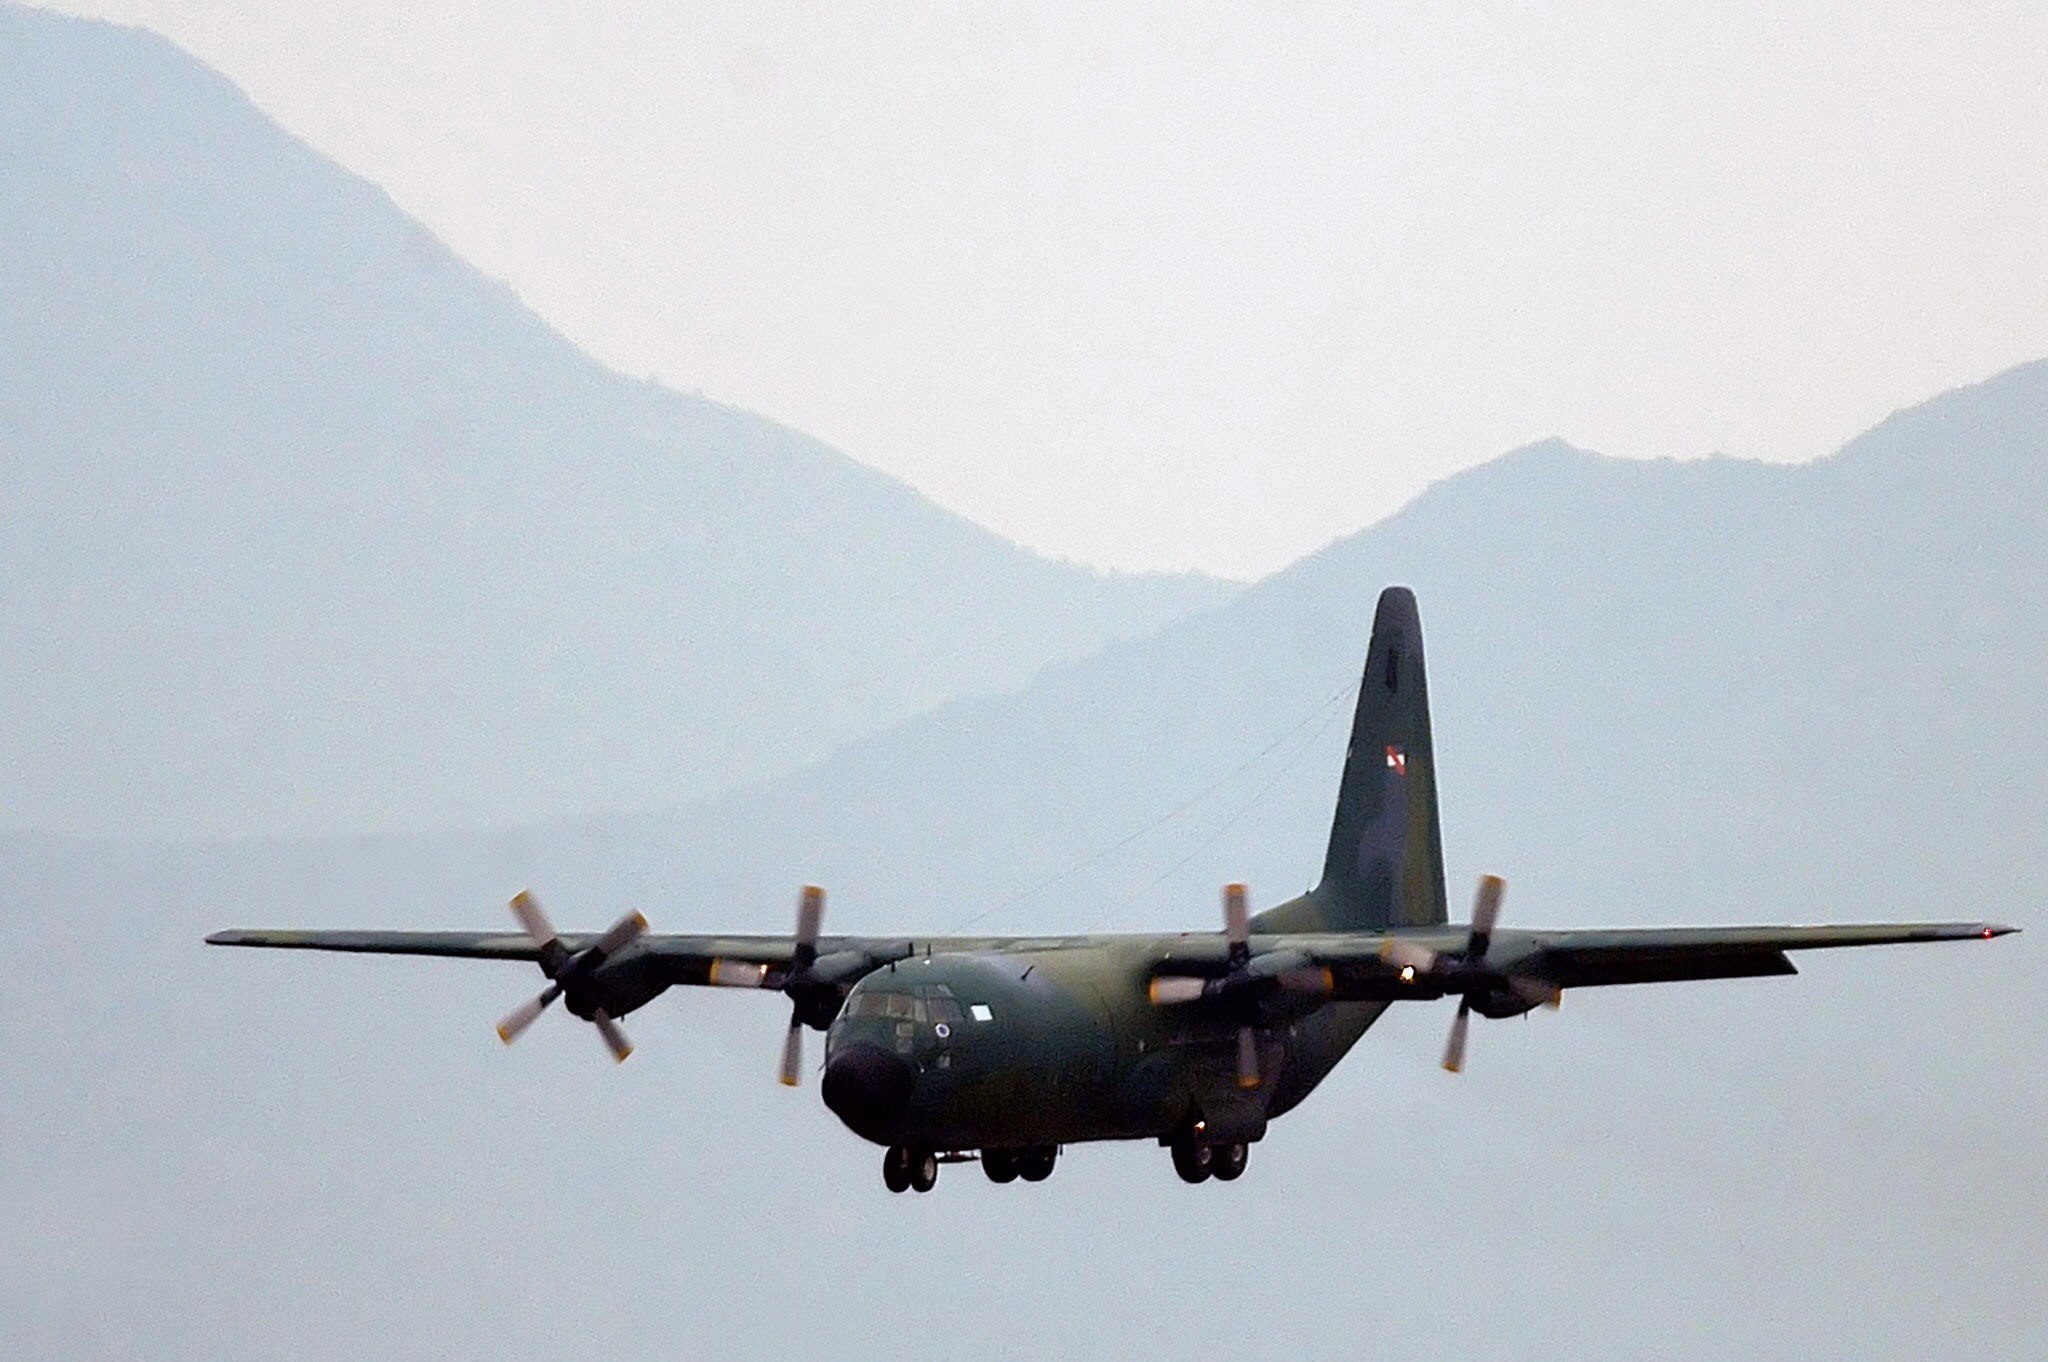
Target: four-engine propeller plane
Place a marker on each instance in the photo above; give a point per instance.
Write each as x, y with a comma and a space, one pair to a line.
1005, 1049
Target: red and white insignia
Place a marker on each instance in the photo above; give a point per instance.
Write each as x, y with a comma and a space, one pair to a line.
1397, 760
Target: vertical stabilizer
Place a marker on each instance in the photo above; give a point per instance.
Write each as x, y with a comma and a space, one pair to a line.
1385, 866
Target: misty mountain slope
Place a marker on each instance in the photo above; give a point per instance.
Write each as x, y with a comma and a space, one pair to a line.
1663, 691
305, 526
232, 1155
1690, 692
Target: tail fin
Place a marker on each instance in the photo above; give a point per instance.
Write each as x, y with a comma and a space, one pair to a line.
1385, 866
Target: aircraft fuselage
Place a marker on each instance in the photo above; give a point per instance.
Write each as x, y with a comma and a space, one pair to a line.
1059, 1046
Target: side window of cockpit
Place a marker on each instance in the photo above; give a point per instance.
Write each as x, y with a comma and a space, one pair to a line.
944, 1011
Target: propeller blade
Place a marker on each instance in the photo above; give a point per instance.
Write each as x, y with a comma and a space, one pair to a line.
526, 908
1485, 913
1237, 923
614, 1038
1454, 1052
793, 1053
526, 1014
1247, 1058
1536, 992
1168, 989
810, 916
620, 935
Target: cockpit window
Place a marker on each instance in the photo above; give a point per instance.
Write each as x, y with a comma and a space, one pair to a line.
895, 1006
878, 1004
926, 1004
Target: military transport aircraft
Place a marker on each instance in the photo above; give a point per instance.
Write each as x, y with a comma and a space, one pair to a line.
1005, 1049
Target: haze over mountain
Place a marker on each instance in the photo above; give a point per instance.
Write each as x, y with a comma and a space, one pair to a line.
1664, 692
230, 575
307, 527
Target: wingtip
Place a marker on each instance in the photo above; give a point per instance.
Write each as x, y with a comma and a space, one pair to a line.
1992, 929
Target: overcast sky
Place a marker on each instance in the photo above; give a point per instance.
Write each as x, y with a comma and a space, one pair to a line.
1176, 285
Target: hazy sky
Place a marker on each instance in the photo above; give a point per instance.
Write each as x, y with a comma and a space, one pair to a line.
1171, 285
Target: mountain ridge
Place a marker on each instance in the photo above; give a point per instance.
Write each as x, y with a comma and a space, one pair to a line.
1671, 692
312, 527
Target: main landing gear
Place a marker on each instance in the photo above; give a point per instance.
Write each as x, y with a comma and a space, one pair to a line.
1196, 1162
907, 1168
1033, 1164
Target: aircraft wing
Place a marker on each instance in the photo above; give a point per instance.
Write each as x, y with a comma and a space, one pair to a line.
1369, 967
674, 959
1581, 959
681, 954
462, 945
1360, 966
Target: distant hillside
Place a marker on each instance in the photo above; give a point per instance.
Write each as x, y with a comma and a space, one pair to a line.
307, 527
1663, 690
1680, 692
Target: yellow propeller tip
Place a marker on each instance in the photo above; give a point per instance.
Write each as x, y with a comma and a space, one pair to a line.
787, 1082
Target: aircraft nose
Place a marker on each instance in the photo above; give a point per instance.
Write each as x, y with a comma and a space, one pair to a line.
868, 1088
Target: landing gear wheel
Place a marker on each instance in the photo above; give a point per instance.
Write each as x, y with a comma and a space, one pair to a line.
1191, 1160
896, 1169
924, 1170
1035, 1164
999, 1164
1227, 1161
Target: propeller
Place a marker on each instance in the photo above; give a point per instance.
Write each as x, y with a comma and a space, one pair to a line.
810, 915
567, 972
1246, 978
1485, 913
808, 981
1237, 933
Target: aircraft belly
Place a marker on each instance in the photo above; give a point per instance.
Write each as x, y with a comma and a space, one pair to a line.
1148, 1095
